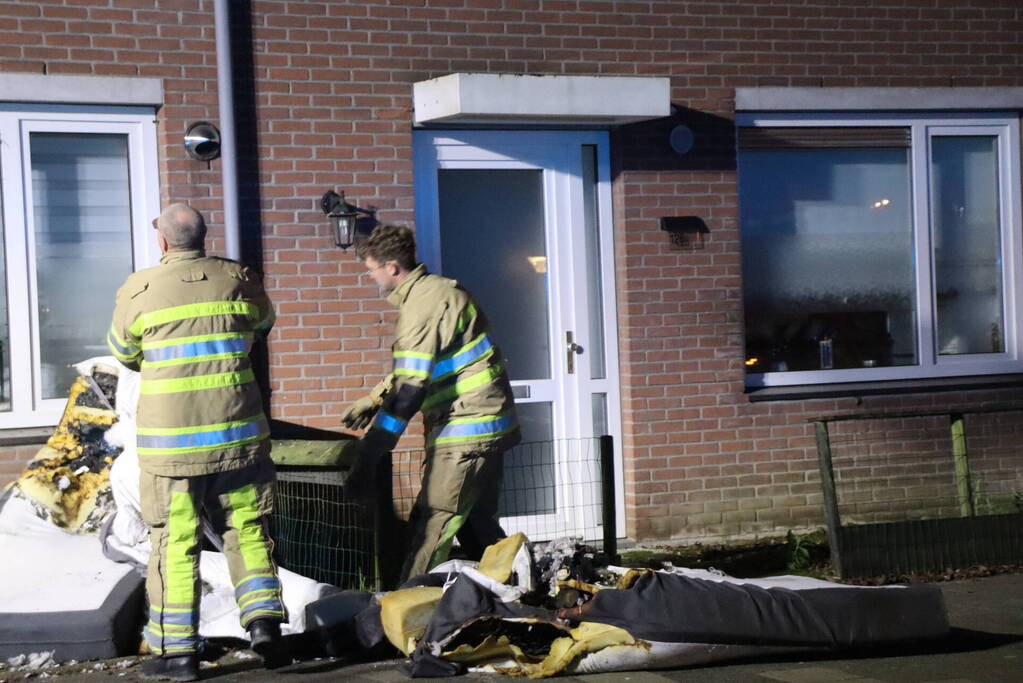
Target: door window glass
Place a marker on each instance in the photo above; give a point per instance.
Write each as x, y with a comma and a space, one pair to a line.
492, 242
82, 220
5, 328
594, 268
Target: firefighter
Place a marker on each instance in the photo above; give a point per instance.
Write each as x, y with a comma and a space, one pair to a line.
447, 366
203, 441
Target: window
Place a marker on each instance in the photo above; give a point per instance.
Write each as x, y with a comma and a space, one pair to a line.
78, 191
879, 247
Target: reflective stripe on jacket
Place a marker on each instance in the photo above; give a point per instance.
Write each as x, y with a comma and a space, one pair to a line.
447, 365
188, 326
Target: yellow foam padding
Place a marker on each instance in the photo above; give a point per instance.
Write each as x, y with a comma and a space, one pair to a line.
405, 614
69, 508
498, 559
491, 648
585, 638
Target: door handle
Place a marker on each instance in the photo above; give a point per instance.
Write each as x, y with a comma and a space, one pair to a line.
571, 348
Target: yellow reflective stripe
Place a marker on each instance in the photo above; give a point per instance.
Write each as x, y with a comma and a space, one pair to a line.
412, 354
465, 317
245, 519
197, 383
171, 629
474, 437
208, 308
182, 530
194, 359
258, 596
118, 354
257, 575
174, 341
169, 431
198, 449
464, 386
409, 372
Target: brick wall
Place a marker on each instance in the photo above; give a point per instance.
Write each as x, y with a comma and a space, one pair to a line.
328, 106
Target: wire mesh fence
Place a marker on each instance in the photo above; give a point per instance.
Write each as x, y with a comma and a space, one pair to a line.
926, 491
319, 534
551, 489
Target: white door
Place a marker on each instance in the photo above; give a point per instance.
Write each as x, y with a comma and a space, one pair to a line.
523, 221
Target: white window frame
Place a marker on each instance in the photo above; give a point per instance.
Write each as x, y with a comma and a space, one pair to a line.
923, 127
17, 123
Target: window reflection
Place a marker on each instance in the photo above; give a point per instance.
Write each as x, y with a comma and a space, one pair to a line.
828, 270
967, 245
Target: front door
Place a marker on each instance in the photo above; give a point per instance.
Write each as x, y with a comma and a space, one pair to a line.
522, 220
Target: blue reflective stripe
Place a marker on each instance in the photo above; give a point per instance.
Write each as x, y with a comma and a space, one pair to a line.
480, 347
176, 618
390, 423
194, 349
271, 605
256, 583
475, 428
160, 643
418, 365
116, 345
196, 439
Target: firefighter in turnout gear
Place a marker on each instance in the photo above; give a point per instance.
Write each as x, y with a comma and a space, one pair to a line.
203, 441
447, 366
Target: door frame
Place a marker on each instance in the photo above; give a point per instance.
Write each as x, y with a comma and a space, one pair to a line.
551, 152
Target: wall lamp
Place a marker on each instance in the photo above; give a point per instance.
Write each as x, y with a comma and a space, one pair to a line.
685, 231
343, 217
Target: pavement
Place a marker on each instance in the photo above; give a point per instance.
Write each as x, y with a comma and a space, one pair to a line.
984, 646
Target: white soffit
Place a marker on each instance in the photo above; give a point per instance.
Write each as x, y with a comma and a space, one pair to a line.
477, 98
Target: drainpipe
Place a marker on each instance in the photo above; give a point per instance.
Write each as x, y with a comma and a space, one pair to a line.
228, 154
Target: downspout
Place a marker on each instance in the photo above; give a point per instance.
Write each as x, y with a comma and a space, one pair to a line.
228, 153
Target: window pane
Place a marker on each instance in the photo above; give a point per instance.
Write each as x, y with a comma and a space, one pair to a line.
828, 270
5, 326
493, 242
967, 245
81, 202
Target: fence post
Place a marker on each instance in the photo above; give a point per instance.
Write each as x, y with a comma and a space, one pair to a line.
964, 492
830, 495
609, 511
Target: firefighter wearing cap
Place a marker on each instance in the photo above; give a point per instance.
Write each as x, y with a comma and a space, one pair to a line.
203, 441
447, 366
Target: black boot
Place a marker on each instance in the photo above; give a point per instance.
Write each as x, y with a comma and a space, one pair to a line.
268, 643
180, 668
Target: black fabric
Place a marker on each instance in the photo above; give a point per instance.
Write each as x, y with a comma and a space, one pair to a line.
673, 608
463, 602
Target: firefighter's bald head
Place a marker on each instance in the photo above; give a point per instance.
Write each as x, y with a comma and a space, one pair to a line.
182, 226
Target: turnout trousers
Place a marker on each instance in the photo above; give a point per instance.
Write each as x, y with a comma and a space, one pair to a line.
459, 498
236, 503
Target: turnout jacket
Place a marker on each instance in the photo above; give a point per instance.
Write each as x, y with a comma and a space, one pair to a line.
446, 365
188, 325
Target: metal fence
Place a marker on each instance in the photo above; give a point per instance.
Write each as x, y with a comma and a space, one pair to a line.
551, 489
922, 491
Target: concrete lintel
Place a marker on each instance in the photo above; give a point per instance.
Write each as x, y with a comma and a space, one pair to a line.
64, 89
515, 98
877, 99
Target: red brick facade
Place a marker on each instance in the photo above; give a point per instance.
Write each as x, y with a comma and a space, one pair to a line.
330, 86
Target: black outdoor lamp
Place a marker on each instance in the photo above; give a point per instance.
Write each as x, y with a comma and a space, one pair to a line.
343, 216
